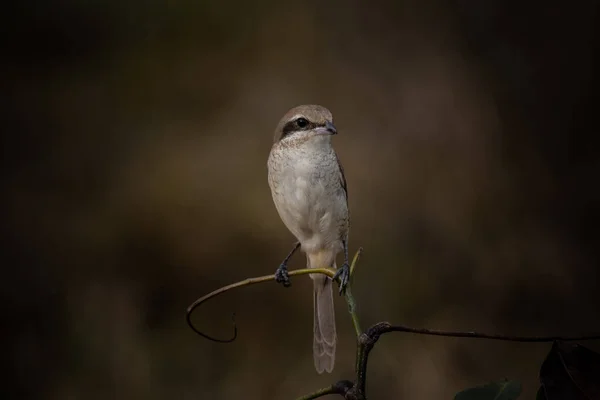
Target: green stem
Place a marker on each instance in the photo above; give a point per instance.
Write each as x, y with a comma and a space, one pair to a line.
352, 310
350, 299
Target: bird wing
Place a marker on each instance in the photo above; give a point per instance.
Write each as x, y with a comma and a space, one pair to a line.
342, 177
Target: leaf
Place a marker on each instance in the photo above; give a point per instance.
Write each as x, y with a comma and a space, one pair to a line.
570, 371
503, 390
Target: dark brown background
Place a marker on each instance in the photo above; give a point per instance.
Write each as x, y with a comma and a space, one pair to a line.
134, 170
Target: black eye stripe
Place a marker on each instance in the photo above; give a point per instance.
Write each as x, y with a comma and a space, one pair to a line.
289, 128
298, 124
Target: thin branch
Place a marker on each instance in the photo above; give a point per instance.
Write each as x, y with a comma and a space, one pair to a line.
355, 261
385, 327
250, 281
368, 339
341, 388
348, 295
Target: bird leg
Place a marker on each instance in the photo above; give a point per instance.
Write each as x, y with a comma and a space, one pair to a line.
344, 271
281, 274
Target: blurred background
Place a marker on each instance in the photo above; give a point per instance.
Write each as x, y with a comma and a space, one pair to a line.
135, 143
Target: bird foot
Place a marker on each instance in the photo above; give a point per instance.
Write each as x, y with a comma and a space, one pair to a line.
343, 273
281, 276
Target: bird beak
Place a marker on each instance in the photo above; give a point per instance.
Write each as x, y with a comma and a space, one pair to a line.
331, 127
328, 129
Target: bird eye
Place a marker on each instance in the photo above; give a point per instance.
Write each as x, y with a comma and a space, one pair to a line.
302, 123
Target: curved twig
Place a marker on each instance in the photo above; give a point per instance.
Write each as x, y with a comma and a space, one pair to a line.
250, 281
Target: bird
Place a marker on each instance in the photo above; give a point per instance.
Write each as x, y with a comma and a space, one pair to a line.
309, 190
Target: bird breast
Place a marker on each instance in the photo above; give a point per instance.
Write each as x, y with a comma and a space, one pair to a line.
308, 195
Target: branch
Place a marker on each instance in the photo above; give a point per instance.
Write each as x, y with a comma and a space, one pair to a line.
341, 388
385, 327
368, 339
348, 294
250, 281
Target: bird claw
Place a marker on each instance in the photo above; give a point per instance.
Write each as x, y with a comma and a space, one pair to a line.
281, 276
343, 274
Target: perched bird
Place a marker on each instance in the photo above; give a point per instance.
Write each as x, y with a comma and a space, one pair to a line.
309, 191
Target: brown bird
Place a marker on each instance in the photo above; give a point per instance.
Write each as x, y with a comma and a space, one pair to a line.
309, 190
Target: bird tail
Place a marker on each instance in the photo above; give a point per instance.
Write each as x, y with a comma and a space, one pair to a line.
325, 337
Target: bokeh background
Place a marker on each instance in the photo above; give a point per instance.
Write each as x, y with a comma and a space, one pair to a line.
134, 170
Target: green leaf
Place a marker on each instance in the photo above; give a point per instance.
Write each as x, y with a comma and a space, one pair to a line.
503, 390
